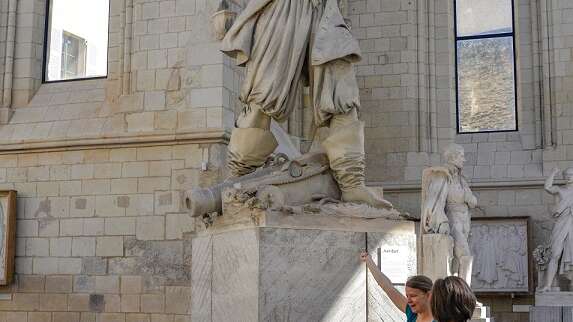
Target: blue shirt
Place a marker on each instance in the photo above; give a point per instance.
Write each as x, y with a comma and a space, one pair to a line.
411, 316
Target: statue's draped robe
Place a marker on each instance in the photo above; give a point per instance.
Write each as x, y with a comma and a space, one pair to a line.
561, 237
281, 42
435, 183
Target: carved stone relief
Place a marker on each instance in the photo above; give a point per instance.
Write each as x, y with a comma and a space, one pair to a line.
500, 255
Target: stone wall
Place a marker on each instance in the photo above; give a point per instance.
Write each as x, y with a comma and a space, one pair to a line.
506, 170
101, 232
100, 165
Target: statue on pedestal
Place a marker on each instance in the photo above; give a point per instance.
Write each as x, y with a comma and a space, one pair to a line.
561, 245
446, 200
282, 43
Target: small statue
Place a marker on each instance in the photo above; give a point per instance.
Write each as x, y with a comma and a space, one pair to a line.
283, 43
561, 245
446, 200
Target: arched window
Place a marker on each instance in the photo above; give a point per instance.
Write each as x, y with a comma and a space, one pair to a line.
76, 39
485, 66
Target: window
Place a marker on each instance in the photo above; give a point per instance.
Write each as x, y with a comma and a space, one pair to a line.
485, 66
76, 39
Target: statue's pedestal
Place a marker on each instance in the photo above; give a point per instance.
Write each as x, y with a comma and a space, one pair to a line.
482, 314
261, 265
552, 307
554, 299
437, 255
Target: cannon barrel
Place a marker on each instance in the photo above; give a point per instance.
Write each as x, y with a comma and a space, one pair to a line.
205, 201
201, 202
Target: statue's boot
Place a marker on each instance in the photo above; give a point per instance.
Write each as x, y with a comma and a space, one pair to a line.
465, 269
345, 150
248, 150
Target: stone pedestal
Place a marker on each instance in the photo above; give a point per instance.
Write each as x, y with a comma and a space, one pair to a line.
552, 307
545, 314
260, 265
554, 299
482, 314
437, 255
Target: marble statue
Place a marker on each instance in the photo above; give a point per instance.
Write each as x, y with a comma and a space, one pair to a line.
561, 245
281, 44
446, 200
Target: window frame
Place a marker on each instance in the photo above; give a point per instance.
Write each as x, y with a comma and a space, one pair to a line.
47, 25
487, 36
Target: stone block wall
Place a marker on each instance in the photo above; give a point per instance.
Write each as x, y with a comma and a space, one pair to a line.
101, 165
408, 95
165, 74
101, 233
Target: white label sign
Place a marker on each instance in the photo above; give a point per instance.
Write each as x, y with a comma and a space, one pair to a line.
395, 263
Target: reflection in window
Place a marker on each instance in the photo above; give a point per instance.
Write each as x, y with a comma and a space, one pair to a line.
485, 66
77, 39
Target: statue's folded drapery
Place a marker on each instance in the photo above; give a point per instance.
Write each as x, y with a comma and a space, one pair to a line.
435, 183
562, 239
282, 41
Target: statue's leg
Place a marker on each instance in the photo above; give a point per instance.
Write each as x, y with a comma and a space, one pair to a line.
462, 251
335, 98
345, 150
549, 275
251, 142
558, 237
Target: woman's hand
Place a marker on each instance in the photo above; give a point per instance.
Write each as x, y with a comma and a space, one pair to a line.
365, 257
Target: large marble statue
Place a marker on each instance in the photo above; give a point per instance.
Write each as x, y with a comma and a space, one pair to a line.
561, 246
283, 43
446, 199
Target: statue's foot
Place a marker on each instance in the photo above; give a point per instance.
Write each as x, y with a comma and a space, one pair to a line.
363, 194
543, 289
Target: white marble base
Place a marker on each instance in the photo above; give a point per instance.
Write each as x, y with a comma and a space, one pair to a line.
546, 314
261, 266
437, 255
554, 299
482, 312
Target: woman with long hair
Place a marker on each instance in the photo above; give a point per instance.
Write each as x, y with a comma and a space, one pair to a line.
416, 303
452, 300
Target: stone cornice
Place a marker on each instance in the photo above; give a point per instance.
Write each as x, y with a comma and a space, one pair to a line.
201, 136
533, 183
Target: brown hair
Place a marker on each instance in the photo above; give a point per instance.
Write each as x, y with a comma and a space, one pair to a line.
420, 282
452, 300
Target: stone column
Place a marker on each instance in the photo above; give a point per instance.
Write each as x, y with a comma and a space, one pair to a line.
437, 255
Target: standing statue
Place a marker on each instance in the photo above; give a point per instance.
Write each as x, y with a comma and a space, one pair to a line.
562, 235
284, 42
446, 199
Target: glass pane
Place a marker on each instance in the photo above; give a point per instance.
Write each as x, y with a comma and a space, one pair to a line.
483, 17
77, 39
486, 85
